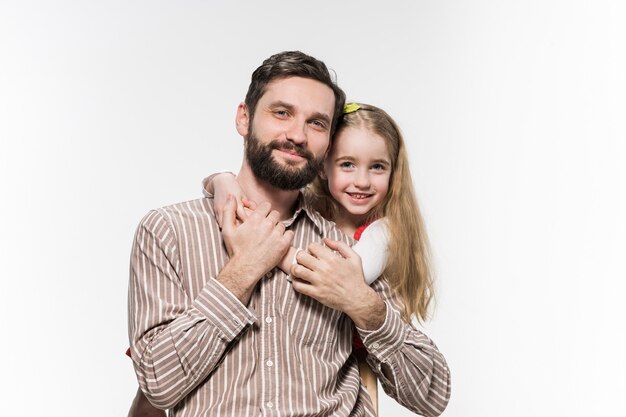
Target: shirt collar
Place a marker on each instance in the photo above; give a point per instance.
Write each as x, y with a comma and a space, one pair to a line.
302, 205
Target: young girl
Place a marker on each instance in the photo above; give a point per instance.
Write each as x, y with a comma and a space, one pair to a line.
366, 189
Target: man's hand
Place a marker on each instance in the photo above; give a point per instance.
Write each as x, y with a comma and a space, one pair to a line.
336, 280
141, 407
255, 247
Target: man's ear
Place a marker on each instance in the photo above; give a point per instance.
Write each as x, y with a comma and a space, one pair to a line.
242, 119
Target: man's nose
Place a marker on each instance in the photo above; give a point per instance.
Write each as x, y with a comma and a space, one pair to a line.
296, 132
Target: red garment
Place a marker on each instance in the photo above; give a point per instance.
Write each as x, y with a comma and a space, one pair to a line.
358, 232
357, 343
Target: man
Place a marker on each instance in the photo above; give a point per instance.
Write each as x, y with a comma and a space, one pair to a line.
217, 329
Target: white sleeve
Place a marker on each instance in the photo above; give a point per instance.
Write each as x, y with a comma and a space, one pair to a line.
373, 248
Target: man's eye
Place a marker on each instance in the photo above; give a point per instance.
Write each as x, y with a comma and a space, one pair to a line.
318, 124
281, 113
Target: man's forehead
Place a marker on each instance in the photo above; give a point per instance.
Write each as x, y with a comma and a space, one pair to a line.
305, 94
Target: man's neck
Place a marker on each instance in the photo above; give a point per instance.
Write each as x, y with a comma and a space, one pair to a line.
283, 201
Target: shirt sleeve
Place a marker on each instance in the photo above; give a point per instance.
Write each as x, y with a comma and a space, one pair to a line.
373, 248
176, 342
408, 364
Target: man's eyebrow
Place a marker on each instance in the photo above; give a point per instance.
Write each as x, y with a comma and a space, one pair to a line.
282, 104
322, 116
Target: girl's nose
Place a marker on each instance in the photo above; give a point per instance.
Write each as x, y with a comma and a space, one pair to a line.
362, 179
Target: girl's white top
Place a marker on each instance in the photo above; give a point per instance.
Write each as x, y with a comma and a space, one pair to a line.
373, 248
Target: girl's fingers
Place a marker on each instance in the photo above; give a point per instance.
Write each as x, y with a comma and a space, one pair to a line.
249, 204
229, 216
241, 210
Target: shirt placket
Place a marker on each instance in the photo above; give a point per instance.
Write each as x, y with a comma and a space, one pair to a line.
268, 352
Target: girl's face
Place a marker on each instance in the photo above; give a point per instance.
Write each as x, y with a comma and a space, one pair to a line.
358, 170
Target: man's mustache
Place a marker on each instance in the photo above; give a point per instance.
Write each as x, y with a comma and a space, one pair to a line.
301, 150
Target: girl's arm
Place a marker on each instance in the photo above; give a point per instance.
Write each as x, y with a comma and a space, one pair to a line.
220, 186
373, 248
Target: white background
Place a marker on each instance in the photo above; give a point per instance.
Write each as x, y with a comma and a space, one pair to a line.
514, 114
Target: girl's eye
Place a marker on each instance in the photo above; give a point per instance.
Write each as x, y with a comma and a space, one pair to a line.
378, 167
346, 164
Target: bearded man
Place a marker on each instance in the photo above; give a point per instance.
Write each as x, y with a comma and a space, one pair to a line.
215, 327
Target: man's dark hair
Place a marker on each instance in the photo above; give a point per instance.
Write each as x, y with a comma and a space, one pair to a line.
293, 64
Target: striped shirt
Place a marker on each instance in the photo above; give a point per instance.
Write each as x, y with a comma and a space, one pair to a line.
198, 351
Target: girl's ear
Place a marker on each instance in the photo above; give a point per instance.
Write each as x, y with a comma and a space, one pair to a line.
322, 175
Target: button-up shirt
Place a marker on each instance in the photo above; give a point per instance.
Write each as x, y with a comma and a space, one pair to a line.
199, 351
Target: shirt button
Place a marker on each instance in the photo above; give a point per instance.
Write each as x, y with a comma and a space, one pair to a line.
270, 404
268, 319
235, 321
375, 345
269, 363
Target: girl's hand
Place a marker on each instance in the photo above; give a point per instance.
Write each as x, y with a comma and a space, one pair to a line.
226, 184
336, 280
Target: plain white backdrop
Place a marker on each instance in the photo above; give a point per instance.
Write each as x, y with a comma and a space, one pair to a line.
514, 114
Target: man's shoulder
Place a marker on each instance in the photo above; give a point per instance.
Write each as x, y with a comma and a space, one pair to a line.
197, 210
202, 205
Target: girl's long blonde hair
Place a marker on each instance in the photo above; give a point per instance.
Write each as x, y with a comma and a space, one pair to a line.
408, 267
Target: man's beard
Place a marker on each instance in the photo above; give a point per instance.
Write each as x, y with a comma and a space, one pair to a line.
287, 177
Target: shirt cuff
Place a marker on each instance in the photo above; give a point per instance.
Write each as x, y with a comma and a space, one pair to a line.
387, 339
223, 309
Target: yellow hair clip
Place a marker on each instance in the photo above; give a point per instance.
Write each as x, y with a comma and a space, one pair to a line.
351, 108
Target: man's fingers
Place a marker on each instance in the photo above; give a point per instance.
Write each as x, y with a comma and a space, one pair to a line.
263, 209
273, 217
341, 247
288, 237
320, 251
302, 273
281, 228
306, 260
302, 286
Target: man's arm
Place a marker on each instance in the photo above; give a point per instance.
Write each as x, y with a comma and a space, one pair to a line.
410, 367
177, 342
